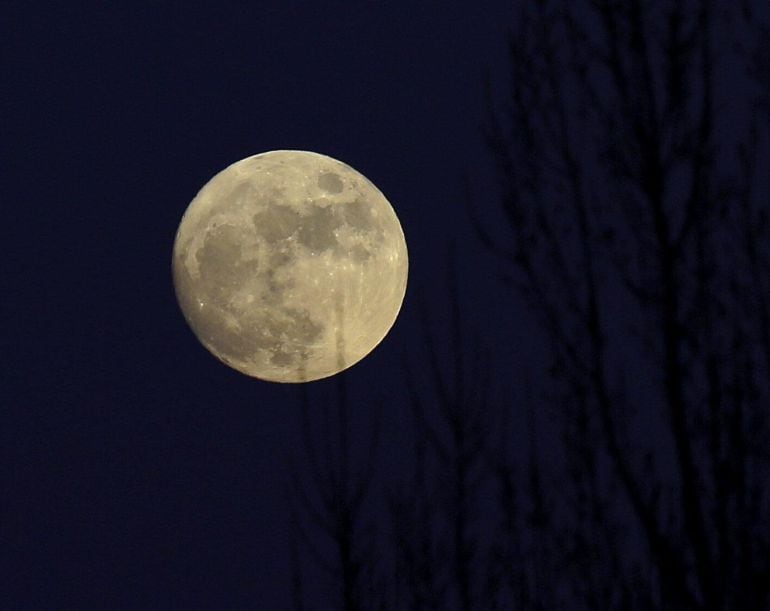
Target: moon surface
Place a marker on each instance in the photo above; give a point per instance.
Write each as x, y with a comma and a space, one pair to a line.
290, 266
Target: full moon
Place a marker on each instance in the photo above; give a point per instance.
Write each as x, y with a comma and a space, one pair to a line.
290, 266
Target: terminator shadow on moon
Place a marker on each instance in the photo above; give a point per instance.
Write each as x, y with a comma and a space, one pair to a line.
290, 266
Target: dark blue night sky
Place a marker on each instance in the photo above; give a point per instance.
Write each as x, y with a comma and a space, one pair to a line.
136, 467
139, 472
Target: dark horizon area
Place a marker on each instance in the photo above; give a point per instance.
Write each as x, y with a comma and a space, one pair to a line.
572, 404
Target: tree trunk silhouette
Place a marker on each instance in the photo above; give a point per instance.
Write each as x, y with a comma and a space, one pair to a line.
451, 420
333, 501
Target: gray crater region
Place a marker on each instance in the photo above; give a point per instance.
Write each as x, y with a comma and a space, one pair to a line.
290, 266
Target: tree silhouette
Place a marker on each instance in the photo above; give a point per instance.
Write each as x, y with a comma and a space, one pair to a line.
631, 148
333, 503
642, 245
436, 515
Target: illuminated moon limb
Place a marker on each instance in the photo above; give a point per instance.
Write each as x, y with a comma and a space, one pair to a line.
290, 266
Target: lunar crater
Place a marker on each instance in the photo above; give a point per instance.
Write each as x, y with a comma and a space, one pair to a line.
330, 182
276, 223
317, 232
